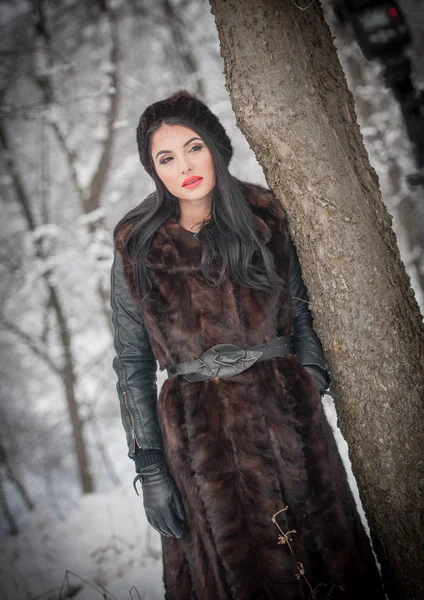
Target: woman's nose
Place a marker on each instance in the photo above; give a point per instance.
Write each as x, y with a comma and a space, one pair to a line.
185, 165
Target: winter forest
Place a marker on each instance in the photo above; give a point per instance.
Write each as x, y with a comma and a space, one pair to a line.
75, 77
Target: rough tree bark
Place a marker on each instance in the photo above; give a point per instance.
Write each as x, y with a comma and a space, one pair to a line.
291, 101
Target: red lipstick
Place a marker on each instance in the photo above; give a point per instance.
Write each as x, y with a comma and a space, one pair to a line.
192, 182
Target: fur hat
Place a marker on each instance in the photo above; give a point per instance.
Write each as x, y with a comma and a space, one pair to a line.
186, 105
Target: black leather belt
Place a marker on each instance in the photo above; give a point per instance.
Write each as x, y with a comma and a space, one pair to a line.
226, 360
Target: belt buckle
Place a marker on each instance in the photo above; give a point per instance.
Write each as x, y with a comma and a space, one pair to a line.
223, 360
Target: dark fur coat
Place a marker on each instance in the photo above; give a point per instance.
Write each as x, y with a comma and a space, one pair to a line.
248, 447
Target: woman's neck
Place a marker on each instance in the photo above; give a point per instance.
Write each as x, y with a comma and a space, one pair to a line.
193, 217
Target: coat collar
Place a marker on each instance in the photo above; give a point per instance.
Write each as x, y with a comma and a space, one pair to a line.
174, 248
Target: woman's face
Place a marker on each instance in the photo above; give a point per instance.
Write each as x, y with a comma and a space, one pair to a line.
179, 154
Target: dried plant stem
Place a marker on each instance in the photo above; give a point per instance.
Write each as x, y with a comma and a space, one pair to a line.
284, 539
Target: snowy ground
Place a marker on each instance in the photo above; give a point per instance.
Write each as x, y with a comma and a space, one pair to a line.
105, 541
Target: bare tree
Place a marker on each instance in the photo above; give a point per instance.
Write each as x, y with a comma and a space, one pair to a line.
291, 101
66, 370
9, 475
89, 195
177, 29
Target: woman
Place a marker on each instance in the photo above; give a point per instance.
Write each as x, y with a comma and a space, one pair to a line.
238, 465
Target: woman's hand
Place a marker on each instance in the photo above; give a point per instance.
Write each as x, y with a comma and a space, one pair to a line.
322, 380
162, 500
319, 378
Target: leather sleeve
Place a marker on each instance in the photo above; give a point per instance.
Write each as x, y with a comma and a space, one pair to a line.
136, 368
307, 344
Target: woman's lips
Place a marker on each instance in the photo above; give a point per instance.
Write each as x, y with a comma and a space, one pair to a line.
194, 183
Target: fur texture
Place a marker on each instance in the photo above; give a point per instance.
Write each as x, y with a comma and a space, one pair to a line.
246, 447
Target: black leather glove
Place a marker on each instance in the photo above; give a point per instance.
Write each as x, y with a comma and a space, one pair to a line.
320, 378
162, 500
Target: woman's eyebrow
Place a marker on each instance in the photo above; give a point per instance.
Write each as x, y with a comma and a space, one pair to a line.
186, 144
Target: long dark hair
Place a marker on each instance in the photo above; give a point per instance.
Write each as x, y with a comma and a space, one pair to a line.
229, 236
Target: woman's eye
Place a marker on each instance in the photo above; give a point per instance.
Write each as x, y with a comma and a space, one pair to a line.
165, 160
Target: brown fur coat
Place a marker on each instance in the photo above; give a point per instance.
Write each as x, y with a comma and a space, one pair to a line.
245, 448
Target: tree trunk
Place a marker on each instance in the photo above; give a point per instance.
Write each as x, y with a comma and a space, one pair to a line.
108, 25
12, 476
69, 382
182, 47
4, 505
291, 101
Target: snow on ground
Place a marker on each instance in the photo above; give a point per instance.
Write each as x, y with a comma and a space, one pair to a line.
330, 413
105, 540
